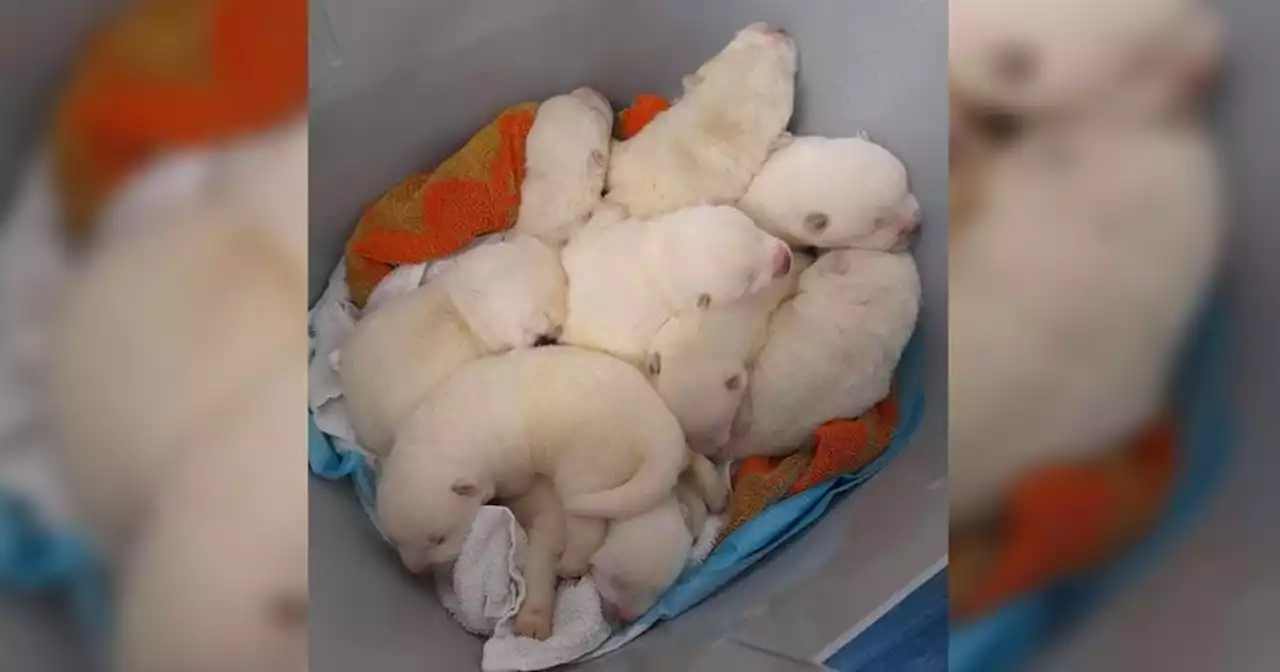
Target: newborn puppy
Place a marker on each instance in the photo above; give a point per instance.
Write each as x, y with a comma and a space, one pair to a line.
493, 298
627, 278
698, 362
589, 422
830, 351
833, 192
565, 158
1071, 291
706, 148
640, 559
1138, 57
552, 534
160, 333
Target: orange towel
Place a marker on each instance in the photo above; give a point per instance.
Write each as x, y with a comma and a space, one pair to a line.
1063, 520
838, 447
173, 74
476, 191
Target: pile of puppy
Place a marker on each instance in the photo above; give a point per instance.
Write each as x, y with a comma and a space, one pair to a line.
711, 288
1087, 220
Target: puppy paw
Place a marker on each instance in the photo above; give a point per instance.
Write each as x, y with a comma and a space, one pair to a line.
533, 621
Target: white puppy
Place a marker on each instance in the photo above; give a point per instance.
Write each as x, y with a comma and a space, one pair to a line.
589, 422
565, 158
706, 148
698, 361
833, 192
628, 278
491, 299
633, 580
1070, 293
160, 333
1034, 56
830, 351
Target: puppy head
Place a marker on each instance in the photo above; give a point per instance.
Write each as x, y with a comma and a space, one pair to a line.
835, 192
1139, 56
711, 255
572, 133
753, 74
426, 508
641, 558
511, 294
703, 391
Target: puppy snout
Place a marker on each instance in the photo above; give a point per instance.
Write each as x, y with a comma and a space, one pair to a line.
781, 261
614, 614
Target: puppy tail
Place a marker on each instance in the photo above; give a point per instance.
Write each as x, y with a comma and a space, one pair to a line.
652, 482
706, 481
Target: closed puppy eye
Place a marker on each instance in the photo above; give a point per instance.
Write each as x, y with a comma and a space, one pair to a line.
435, 540
816, 222
733, 382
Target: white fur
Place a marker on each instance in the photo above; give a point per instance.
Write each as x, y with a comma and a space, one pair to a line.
1070, 294
698, 361
586, 420
565, 158
632, 564
830, 351
493, 298
1133, 57
627, 278
706, 148
641, 557
833, 192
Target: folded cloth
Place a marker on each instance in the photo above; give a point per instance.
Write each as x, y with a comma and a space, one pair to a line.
173, 75
433, 215
1063, 520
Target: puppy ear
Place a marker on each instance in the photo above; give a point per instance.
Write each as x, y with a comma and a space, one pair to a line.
864, 135
597, 158
689, 81
653, 363
816, 222
704, 301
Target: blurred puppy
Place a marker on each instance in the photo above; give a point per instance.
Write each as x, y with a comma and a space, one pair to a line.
163, 328
1070, 293
565, 158
830, 351
627, 278
1037, 57
492, 298
706, 148
589, 422
698, 361
833, 192
218, 580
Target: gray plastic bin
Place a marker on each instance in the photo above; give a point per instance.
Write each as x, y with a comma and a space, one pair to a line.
399, 84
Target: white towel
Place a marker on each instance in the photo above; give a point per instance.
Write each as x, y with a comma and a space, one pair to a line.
33, 268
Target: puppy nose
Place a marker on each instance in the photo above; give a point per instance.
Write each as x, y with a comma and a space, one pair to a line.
609, 611
781, 261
